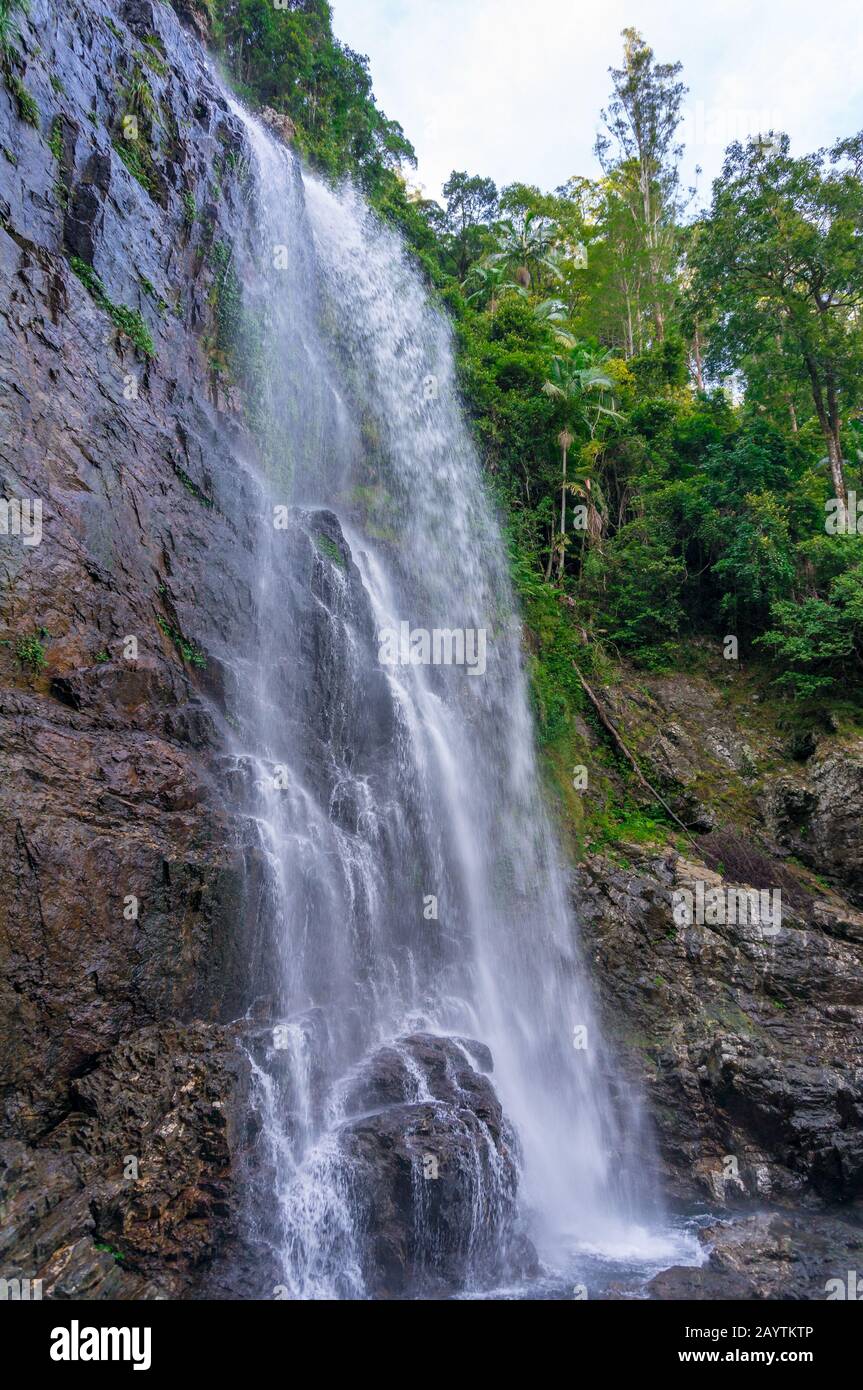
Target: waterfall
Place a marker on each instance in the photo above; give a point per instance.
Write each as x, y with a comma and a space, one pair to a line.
409, 880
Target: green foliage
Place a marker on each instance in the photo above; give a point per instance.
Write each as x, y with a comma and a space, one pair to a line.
192, 487
10, 31
138, 96
638, 583
117, 1255
129, 321
28, 109
289, 59
818, 640
136, 159
331, 550
225, 295
594, 330
30, 654
152, 55
188, 650
778, 273
55, 139
150, 290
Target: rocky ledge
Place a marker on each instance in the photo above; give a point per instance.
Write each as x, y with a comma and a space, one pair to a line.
773, 1256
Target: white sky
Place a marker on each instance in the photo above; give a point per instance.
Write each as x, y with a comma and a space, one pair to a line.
512, 88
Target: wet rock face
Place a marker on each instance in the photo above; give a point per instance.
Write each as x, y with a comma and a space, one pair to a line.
196, 16
281, 125
748, 1047
433, 1162
773, 1256
129, 889
818, 815
131, 1195
134, 876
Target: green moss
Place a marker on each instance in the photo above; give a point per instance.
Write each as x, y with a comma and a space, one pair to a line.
225, 296
192, 487
190, 210
55, 139
129, 321
152, 55
150, 289
188, 650
109, 1250
629, 825
331, 550
237, 350
138, 96
118, 33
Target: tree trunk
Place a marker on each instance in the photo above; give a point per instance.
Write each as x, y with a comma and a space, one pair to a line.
834, 454
562, 516
828, 419
696, 347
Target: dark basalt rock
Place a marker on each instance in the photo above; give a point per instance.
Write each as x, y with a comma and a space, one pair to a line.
116, 785
433, 1166
747, 1047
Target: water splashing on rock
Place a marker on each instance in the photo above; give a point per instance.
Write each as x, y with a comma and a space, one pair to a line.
417, 938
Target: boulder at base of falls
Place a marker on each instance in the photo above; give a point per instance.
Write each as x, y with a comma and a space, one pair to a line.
434, 1170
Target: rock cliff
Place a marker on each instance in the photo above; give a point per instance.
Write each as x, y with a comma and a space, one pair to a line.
129, 932
125, 902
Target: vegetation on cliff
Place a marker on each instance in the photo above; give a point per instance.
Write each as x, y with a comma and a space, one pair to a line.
694, 484
668, 406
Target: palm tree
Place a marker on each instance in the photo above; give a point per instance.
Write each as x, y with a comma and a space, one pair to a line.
526, 250
552, 313
491, 282
581, 382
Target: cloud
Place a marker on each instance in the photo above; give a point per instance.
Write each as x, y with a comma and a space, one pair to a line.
513, 88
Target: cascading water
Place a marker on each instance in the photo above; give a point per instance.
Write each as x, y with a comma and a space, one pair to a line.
411, 880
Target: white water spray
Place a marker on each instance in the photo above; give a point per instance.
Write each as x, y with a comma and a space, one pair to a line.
401, 784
